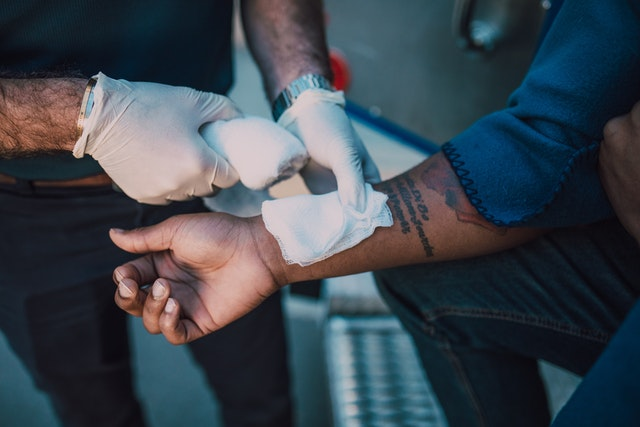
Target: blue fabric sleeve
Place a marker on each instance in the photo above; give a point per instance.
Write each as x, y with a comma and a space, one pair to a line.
535, 162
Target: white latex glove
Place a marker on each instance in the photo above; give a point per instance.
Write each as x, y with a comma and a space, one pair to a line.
318, 119
146, 138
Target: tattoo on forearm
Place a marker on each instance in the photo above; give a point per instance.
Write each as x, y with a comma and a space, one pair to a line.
405, 193
440, 178
396, 208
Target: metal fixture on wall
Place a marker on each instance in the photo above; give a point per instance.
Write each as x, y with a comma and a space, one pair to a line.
407, 67
481, 24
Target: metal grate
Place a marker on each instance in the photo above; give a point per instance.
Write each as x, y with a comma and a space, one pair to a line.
375, 378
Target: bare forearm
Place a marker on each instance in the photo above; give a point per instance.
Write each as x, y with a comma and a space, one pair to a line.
433, 221
287, 40
39, 115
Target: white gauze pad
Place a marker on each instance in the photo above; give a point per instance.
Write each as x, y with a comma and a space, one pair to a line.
261, 151
311, 228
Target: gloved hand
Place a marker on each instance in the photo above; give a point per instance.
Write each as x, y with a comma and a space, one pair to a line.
146, 138
318, 119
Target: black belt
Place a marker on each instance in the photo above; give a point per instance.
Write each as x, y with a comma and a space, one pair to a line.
87, 181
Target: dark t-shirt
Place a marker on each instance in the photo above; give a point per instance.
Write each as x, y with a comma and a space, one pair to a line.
184, 43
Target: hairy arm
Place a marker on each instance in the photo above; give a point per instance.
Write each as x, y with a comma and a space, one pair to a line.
287, 40
39, 115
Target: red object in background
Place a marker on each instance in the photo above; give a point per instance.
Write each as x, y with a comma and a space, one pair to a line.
340, 69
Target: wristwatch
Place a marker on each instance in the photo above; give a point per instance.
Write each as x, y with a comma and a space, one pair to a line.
290, 93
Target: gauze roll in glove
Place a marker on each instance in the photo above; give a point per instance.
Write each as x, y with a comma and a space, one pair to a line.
259, 150
318, 119
146, 138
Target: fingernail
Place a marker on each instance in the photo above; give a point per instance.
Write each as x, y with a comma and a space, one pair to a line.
117, 230
158, 290
170, 306
124, 291
118, 276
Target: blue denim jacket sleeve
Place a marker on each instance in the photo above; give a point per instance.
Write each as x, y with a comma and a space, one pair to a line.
534, 163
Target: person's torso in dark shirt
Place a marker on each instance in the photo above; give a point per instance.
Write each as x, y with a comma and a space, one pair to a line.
182, 43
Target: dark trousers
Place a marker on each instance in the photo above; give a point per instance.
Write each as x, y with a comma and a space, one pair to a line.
481, 324
58, 314
609, 393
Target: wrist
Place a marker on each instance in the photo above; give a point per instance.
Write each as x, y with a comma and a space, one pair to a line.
269, 251
320, 104
293, 90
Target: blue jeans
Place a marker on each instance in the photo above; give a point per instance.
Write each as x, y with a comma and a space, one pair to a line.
58, 314
481, 324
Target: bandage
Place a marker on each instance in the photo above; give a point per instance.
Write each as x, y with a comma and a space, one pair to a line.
312, 228
262, 152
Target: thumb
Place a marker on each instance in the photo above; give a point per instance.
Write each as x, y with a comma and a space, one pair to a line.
224, 174
370, 170
350, 184
143, 240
